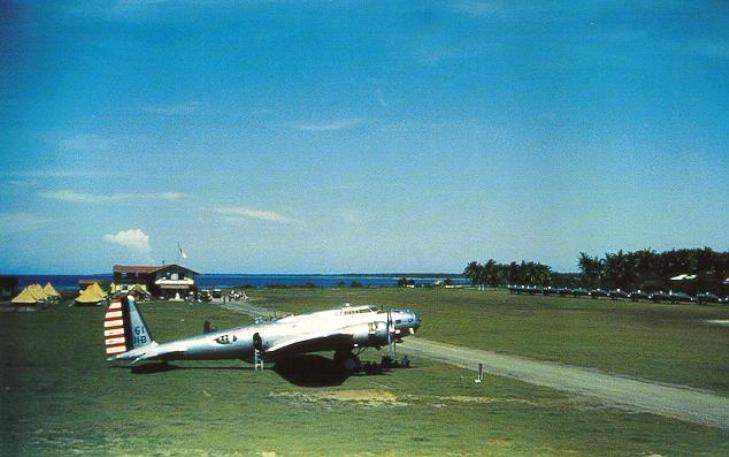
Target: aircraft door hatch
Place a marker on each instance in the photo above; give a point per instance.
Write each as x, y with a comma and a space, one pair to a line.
372, 328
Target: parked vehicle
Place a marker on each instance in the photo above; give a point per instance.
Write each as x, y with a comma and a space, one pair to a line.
708, 297
616, 294
660, 296
681, 297
580, 293
639, 295
595, 293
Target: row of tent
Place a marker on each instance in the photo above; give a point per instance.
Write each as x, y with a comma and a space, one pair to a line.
35, 294
94, 294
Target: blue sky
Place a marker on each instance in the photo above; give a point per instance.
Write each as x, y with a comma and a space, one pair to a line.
275, 136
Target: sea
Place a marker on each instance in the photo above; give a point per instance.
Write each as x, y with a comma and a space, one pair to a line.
70, 283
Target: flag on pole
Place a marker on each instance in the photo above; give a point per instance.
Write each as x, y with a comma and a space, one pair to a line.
182, 253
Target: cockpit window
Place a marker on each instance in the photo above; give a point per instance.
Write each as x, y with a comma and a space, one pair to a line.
361, 310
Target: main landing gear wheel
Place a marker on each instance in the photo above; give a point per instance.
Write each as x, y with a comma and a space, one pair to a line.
348, 361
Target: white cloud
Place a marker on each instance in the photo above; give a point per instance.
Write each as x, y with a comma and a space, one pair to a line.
380, 98
549, 116
234, 213
181, 109
330, 126
476, 9
715, 50
81, 142
72, 196
350, 215
56, 174
136, 3
436, 53
133, 239
21, 222
23, 182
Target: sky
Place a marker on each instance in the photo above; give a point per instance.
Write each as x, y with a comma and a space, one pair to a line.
359, 136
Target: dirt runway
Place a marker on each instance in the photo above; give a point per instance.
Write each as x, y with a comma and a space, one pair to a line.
678, 402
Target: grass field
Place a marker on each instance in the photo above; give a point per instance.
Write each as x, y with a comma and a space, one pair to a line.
660, 342
59, 397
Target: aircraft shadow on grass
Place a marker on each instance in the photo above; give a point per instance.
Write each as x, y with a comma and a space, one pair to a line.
311, 370
306, 370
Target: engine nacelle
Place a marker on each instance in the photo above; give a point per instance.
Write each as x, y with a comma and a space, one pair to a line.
370, 334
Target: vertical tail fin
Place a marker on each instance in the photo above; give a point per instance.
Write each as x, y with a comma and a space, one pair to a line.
124, 327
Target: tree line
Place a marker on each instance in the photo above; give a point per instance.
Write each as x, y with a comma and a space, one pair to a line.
650, 270
643, 269
493, 273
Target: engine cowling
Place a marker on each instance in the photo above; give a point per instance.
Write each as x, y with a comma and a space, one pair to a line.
370, 334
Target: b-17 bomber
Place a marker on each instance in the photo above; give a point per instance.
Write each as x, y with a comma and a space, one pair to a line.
346, 331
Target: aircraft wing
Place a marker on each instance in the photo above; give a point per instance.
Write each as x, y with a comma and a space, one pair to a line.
312, 342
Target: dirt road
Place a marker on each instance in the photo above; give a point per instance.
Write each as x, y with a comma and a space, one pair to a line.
676, 402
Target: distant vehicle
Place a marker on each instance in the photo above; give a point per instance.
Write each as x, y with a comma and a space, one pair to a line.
563, 291
639, 295
205, 295
549, 291
595, 293
217, 293
616, 294
531, 290
580, 292
346, 331
708, 297
660, 296
681, 297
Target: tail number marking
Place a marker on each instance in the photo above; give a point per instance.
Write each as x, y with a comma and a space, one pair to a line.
140, 336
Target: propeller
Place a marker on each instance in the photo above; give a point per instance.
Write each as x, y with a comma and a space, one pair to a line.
390, 332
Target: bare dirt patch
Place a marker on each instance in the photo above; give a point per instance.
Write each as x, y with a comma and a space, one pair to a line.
366, 397
500, 443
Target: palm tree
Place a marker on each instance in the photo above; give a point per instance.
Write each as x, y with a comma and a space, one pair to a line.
473, 272
491, 272
514, 274
644, 264
591, 270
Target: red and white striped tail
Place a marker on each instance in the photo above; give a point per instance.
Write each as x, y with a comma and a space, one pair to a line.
116, 342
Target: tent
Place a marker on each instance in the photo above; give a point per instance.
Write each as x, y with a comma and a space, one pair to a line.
139, 291
37, 289
51, 291
97, 289
26, 297
92, 295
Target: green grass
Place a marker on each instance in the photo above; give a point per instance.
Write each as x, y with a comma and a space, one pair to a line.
59, 397
661, 342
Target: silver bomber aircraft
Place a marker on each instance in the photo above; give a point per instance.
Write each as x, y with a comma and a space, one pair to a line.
346, 331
